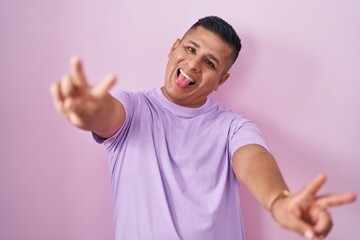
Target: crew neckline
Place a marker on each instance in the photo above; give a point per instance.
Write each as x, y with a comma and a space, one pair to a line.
181, 110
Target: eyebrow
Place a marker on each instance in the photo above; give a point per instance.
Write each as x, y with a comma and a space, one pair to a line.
211, 56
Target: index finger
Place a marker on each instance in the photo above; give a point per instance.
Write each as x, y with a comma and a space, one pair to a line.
314, 186
77, 72
101, 88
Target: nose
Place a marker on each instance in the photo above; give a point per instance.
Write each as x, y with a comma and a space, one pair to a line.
194, 63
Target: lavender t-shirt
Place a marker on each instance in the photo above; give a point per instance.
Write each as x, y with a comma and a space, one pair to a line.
171, 169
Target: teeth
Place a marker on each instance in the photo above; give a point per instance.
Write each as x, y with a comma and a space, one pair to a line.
187, 77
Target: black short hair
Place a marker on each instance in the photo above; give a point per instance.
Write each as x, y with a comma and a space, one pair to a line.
223, 29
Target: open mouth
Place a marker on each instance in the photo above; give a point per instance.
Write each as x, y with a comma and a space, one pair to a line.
183, 80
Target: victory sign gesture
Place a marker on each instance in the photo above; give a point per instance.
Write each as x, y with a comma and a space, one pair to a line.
87, 107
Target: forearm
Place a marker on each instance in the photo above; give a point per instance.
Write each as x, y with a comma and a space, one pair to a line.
109, 118
257, 169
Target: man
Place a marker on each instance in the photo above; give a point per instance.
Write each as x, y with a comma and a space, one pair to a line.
177, 156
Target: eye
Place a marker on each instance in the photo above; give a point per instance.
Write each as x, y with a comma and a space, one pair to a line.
191, 50
209, 63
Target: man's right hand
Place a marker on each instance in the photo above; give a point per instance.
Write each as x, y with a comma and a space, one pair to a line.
87, 107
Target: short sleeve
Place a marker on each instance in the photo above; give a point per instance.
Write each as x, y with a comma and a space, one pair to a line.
128, 100
244, 132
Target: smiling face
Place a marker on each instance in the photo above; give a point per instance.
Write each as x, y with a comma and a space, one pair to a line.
197, 66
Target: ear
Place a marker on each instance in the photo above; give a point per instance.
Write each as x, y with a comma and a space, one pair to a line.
223, 78
174, 46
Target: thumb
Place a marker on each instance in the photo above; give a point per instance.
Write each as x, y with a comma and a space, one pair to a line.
304, 229
101, 88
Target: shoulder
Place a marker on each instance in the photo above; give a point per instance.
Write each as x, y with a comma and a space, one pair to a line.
225, 113
129, 98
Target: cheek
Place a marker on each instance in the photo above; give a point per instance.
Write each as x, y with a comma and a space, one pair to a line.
211, 78
173, 59
178, 54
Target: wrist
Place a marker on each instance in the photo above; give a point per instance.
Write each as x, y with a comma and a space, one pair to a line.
281, 196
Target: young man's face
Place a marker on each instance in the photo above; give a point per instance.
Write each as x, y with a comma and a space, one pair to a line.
197, 66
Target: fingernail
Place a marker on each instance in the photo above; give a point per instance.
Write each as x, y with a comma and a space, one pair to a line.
309, 235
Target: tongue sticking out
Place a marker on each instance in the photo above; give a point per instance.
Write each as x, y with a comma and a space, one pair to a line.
182, 81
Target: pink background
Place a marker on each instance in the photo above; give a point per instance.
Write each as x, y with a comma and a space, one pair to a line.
298, 77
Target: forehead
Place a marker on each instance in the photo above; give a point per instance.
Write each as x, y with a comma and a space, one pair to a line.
208, 42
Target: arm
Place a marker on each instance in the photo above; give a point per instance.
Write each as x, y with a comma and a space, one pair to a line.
303, 212
87, 107
256, 168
